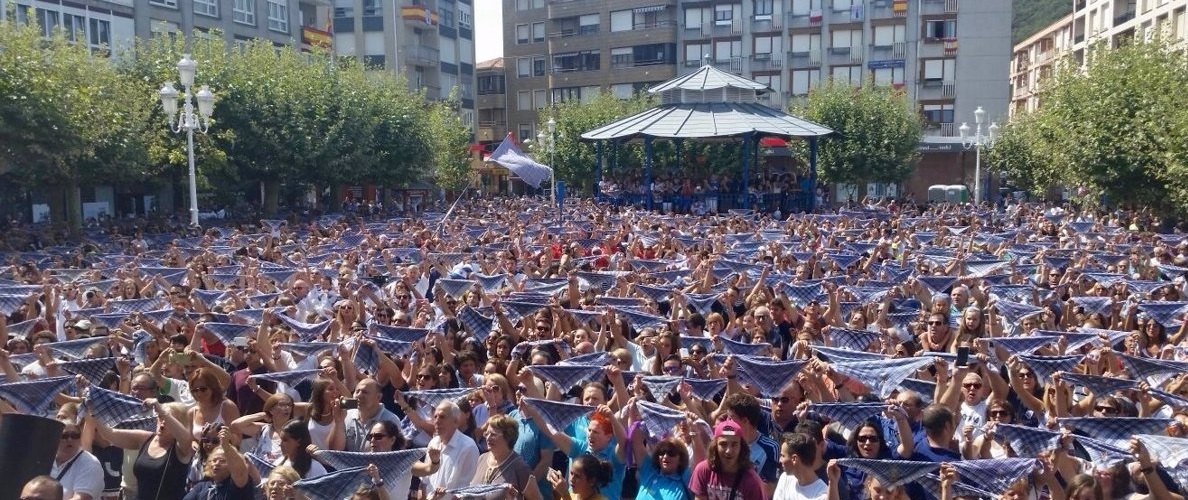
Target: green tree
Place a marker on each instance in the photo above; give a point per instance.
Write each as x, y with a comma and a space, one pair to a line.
577, 160
452, 160
879, 133
1113, 130
68, 117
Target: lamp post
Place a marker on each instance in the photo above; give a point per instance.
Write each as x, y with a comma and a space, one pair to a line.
187, 119
549, 143
978, 140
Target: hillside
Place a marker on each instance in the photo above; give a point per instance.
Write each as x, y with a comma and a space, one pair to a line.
1033, 15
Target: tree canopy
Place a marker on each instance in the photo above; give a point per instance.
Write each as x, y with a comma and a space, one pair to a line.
879, 132
1113, 131
73, 115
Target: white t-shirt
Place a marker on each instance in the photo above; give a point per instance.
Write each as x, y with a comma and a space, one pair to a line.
179, 390
789, 488
971, 415
84, 476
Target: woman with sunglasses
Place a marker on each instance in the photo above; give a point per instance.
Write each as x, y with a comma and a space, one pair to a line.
1026, 393
986, 446
664, 469
385, 437
868, 442
265, 427
213, 408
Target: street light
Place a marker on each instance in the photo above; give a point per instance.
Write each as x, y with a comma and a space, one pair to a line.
978, 140
187, 119
552, 124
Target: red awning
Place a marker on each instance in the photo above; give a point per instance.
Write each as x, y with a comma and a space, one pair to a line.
772, 142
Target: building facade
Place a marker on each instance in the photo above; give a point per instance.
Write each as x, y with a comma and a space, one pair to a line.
282, 22
564, 50
1035, 61
949, 56
430, 42
100, 23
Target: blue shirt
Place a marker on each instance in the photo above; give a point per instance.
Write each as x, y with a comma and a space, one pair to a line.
655, 485
615, 488
765, 454
529, 446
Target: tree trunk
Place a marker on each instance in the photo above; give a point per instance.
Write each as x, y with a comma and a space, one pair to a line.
57, 204
73, 207
337, 193
271, 197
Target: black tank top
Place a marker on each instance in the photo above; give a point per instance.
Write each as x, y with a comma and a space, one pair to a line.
161, 478
112, 460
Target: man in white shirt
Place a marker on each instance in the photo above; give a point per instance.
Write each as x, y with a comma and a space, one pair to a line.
459, 458
76, 469
799, 456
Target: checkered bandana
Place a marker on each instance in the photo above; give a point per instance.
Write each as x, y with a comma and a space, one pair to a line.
393, 465
339, 485
558, 414
567, 376
882, 376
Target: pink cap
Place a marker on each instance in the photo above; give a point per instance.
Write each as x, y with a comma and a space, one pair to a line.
727, 428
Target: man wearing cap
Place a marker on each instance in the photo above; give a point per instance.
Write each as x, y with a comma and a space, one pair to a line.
726, 473
746, 412
81, 329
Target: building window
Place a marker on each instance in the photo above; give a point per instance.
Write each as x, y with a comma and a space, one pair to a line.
621, 57
523, 34
525, 130
842, 5
468, 118
74, 27
763, 8
937, 29
886, 36
164, 3
937, 113
805, 43
846, 40
244, 12
886, 77
523, 67
621, 20
524, 100
803, 8
540, 99
768, 45
805, 80
490, 84
588, 60
723, 14
696, 53
538, 66
695, 18
344, 8
523, 4
100, 33
567, 94
939, 71
49, 20
465, 18
851, 75
278, 16
538, 32
207, 7
372, 8
447, 16
589, 24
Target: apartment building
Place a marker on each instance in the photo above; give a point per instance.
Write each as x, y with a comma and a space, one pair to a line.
1035, 60
100, 23
491, 105
431, 42
282, 22
562, 50
1092, 21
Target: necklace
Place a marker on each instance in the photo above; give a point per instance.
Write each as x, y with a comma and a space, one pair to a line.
499, 468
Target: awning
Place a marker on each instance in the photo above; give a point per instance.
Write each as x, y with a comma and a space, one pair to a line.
565, 54
653, 8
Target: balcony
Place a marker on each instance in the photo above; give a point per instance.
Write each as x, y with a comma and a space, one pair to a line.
431, 91
628, 61
721, 28
774, 99
938, 7
806, 59
1079, 38
844, 55
1021, 91
940, 130
767, 22
421, 56
896, 50
1120, 19
809, 20
931, 89
666, 24
766, 62
1045, 56
730, 64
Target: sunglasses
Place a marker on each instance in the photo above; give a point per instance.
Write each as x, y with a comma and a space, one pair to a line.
1000, 413
71, 435
668, 453
1026, 375
672, 369
867, 439
376, 436
972, 386
1106, 409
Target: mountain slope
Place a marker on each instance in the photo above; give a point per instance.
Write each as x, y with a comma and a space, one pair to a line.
1031, 16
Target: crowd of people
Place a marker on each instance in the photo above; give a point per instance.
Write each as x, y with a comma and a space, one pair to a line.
498, 350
